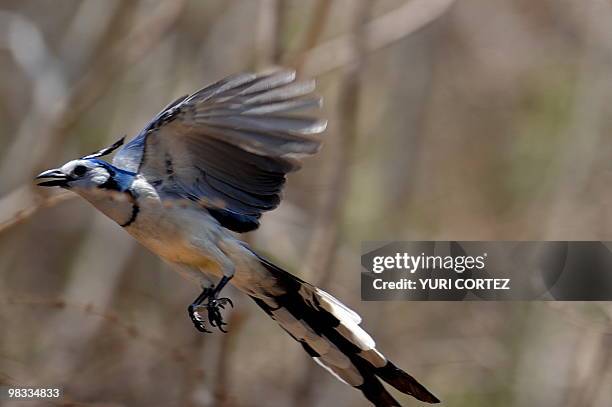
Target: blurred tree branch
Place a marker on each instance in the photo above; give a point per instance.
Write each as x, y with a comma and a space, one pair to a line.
590, 107
131, 330
222, 390
269, 32
328, 219
379, 33
144, 36
329, 214
23, 214
103, 71
315, 29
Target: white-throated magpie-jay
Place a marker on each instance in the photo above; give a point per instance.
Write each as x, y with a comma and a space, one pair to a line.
210, 164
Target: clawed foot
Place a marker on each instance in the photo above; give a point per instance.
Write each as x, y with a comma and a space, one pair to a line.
213, 307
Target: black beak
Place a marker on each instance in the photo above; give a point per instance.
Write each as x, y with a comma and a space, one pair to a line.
57, 179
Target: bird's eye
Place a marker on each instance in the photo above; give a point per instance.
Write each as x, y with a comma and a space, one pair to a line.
79, 170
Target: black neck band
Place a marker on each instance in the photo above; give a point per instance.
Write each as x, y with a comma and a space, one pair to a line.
135, 210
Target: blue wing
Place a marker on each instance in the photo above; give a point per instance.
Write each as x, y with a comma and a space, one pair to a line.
129, 156
229, 145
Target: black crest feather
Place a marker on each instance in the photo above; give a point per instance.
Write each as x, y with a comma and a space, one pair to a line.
107, 150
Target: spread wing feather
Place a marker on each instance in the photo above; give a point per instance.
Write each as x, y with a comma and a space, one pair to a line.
229, 145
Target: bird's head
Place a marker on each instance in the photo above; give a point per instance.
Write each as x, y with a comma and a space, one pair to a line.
79, 174
88, 173
102, 184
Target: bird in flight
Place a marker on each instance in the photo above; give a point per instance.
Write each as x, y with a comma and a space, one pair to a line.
202, 172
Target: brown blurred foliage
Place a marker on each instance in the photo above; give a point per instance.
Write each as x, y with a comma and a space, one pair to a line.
472, 119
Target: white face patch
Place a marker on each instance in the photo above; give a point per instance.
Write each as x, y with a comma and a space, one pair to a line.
94, 175
68, 168
99, 175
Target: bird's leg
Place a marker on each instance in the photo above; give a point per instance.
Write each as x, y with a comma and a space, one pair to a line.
209, 298
213, 306
216, 304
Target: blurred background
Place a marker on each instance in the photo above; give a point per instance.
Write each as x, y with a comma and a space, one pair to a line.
460, 120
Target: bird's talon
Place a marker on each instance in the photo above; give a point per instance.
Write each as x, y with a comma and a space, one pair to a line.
214, 315
202, 328
213, 307
197, 319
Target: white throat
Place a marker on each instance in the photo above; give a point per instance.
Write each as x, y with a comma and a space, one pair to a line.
119, 206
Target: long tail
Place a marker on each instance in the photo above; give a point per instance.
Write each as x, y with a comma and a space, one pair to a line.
330, 333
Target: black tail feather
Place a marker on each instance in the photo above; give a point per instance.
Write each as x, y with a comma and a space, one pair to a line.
374, 391
405, 383
320, 323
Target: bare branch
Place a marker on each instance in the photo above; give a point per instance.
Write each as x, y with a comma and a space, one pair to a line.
269, 33
318, 22
324, 242
379, 33
222, 390
53, 129
23, 214
132, 331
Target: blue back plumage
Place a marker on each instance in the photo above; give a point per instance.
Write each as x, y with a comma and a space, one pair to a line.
120, 179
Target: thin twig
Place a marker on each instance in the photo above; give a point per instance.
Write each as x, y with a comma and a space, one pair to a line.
319, 60
270, 27
380, 32
132, 331
221, 387
315, 30
23, 215
324, 243
143, 38
93, 85
327, 223
41, 123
